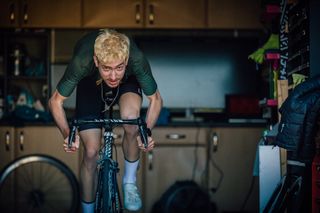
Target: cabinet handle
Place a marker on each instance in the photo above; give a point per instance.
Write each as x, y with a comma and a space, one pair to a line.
138, 13
215, 140
25, 13
11, 13
21, 141
175, 136
150, 160
151, 14
7, 141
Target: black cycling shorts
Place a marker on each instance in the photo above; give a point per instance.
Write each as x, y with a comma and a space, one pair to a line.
89, 103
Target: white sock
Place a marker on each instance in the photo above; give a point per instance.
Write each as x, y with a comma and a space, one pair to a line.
87, 207
130, 171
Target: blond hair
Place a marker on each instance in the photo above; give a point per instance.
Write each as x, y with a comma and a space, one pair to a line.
111, 45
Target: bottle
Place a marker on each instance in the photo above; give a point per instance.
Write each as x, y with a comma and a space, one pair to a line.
17, 59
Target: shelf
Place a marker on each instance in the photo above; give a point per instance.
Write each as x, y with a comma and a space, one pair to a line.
27, 78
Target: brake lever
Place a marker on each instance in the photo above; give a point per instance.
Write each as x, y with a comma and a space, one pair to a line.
144, 132
72, 135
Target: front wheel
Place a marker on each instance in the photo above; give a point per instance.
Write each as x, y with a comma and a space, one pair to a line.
108, 197
38, 183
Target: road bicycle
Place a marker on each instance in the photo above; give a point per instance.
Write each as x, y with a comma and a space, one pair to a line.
107, 195
38, 183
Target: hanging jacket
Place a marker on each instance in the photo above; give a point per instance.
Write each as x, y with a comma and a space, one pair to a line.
298, 124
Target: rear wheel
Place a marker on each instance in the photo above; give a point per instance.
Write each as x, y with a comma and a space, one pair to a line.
38, 183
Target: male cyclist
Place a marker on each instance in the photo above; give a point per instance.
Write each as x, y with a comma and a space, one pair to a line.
104, 62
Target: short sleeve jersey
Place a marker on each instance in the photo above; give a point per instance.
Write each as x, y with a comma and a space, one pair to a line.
82, 65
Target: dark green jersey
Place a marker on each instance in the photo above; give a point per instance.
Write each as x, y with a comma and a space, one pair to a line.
82, 65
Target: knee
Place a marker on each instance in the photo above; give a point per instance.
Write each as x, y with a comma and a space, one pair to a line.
130, 130
90, 157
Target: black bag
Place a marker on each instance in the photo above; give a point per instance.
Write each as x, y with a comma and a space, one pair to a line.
184, 197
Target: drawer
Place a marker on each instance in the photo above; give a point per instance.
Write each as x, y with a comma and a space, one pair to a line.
171, 135
180, 135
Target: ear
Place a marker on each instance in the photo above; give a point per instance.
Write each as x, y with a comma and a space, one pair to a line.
95, 59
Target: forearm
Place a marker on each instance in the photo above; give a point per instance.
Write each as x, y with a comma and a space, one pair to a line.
154, 109
58, 113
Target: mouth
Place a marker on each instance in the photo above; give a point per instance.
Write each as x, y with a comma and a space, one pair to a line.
112, 83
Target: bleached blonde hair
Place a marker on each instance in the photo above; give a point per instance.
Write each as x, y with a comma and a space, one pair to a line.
111, 45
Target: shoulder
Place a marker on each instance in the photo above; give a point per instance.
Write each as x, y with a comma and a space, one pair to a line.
84, 49
86, 43
135, 52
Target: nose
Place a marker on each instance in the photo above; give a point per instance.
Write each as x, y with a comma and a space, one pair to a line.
113, 75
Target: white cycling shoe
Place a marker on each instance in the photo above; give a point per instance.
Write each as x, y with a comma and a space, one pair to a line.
131, 197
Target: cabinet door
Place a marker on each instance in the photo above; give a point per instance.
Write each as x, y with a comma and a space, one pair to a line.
168, 164
6, 156
9, 13
50, 13
180, 154
113, 13
45, 140
175, 14
232, 165
233, 14
6, 145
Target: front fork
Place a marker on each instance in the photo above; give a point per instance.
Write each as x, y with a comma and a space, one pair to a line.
106, 155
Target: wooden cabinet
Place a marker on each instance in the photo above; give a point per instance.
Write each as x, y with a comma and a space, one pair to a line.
6, 145
175, 14
233, 14
220, 160
9, 13
112, 13
20, 141
40, 13
139, 13
180, 154
231, 167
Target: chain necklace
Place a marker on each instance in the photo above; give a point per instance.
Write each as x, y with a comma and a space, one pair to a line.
106, 105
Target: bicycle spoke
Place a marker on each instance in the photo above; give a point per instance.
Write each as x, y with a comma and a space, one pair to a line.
58, 182
41, 185
49, 172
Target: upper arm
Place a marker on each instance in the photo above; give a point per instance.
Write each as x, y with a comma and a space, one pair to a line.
140, 67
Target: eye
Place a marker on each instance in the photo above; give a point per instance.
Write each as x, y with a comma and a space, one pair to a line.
106, 69
120, 68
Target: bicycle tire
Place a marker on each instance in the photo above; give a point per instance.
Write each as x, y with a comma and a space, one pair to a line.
108, 197
38, 183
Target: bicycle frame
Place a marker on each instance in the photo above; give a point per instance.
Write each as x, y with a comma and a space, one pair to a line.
107, 167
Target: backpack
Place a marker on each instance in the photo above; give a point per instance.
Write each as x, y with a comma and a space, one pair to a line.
184, 197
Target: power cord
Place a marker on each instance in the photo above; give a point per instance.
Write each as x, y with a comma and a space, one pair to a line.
215, 165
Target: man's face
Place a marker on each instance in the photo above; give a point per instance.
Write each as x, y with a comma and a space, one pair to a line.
111, 73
